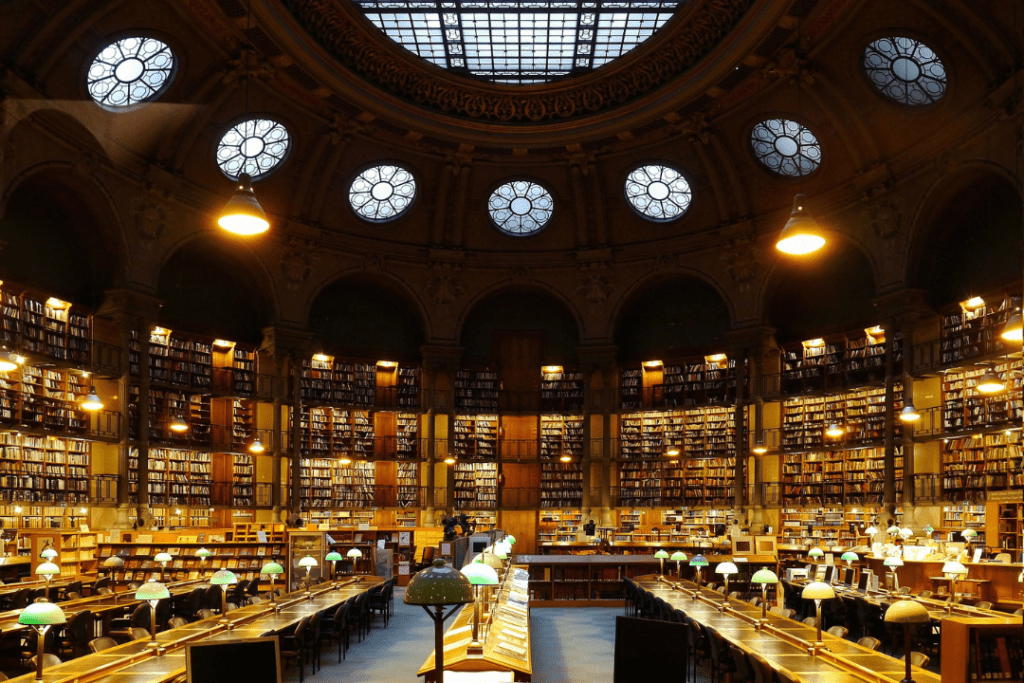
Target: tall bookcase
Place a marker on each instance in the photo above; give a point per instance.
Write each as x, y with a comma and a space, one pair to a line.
476, 436
44, 326
560, 389
971, 330
959, 516
839, 361
837, 477
354, 484
861, 415
176, 477
964, 407
408, 484
476, 485
476, 390
45, 469
327, 381
974, 465
243, 472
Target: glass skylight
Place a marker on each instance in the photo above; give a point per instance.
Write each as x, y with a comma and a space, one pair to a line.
905, 70
380, 193
786, 147
520, 207
255, 146
658, 193
519, 41
130, 71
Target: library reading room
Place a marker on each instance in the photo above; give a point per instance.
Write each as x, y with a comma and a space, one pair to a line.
636, 340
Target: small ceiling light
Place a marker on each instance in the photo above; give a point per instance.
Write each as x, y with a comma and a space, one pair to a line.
54, 302
345, 461
653, 364
1013, 331
449, 461
256, 446
874, 331
989, 383
566, 458
972, 304
813, 343
715, 358
223, 343
387, 364
801, 236
759, 447
672, 451
8, 361
551, 369
834, 430
909, 413
92, 401
243, 215
160, 331
178, 425
321, 358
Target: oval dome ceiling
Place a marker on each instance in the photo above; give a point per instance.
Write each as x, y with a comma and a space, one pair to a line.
519, 42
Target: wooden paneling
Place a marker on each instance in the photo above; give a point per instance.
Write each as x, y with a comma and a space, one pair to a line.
523, 525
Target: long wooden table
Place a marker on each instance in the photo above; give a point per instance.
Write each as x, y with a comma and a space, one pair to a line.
991, 581
134, 662
784, 643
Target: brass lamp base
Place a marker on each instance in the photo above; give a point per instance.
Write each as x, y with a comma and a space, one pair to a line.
817, 647
475, 649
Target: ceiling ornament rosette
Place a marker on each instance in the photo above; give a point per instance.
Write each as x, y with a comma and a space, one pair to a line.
360, 47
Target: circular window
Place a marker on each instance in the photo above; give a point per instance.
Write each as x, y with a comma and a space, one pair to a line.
130, 71
255, 147
521, 207
658, 192
381, 193
905, 70
786, 147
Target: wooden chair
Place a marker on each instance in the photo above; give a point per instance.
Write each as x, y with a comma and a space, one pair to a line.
205, 613
101, 643
74, 640
756, 602
104, 590
839, 631
925, 594
868, 641
783, 612
72, 595
811, 621
48, 661
177, 622
139, 633
336, 628
294, 646
763, 672
984, 604
744, 672
1018, 612
722, 663
917, 659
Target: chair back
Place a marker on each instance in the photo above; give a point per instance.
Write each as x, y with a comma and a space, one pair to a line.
919, 659
177, 622
48, 661
1004, 558
140, 617
839, 631
984, 604
102, 583
428, 555
744, 671
868, 641
763, 672
72, 595
104, 590
205, 613
138, 633
20, 599
101, 643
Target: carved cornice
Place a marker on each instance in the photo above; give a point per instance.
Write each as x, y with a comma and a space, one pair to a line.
339, 29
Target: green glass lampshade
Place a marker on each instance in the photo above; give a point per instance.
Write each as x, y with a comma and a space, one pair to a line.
333, 556
906, 532
47, 569
223, 577
954, 568
893, 530
493, 560
511, 539
818, 590
162, 557
969, 533
42, 614
48, 554
892, 562
439, 585
726, 568
678, 556
816, 552
152, 590
871, 530
499, 553
271, 568
850, 556
355, 553
479, 574
504, 547
764, 575
907, 612
113, 561
698, 561
309, 561
661, 555
929, 529
203, 552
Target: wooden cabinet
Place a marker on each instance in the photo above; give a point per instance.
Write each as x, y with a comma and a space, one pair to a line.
982, 649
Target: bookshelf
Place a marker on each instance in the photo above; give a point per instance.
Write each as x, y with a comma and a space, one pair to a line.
959, 516
408, 387
971, 329
1009, 533
827, 524
476, 485
561, 435
408, 478
837, 362
176, 477
243, 472
561, 484
982, 649
407, 436
43, 326
316, 482
965, 408
559, 525
24, 515
324, 380
697, 432
476, 436
477, 390
76, 549
861, 415
700, 481
243, 558
49, 399
175, 360
354, 485
328, 432
45, 469
973, 466
640, 484
837, 477
706, 381
561, 390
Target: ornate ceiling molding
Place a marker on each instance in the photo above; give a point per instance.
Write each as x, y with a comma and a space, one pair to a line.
360, 48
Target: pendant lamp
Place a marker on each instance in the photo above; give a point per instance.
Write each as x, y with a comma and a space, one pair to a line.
243, 215
802, 234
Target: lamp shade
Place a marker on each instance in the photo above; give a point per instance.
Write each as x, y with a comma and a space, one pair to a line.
726, 568
503, 546
92, 401
661, 555
818, 590
493, 560
850, 556
271, 568
815, 552
439, 585
48, 554
906, 532
954, 568
969, 533
113, 561
8, 361
479, 574
163, 557
678, 556
223, 577
907, 612
835, 431
354, 553
499, 554
42, 614
333, 556
698, 561
990, 383
802, 234
1014, 328
871, 530
152, 590
511, 539
764, 575
909, 413
203, 552
243, 215
47, 569
929, 529
309, 561
893, 530
892, 562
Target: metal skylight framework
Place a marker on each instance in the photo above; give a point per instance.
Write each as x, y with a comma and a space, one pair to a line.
519, 41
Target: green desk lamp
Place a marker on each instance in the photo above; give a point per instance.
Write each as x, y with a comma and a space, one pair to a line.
202, 554
893, 563
354, 555
764, 577
726, 569
223, 578
908, 613
163, 559
698, 561
437, 587
333, 557
308, 562
479, 574
48, 553
849, 557
41, 616
152, 592
816, 553
818, 591
678, 557
48, 570
661, 555
271, 570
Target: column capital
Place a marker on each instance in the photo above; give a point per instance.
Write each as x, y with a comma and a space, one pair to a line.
756, 338
277, 338
441, 356
129, 303
598, 355
902, 306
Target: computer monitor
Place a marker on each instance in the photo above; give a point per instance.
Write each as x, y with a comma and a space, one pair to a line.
829, 573
253, 660
862, 584
849, 577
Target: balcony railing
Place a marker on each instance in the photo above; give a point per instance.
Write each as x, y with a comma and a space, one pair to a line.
60, 491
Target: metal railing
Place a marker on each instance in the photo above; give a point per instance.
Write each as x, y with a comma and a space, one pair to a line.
927, 488
61, 491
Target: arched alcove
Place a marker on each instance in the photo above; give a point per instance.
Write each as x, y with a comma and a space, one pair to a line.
366, 317
821, 294
970, 240
59, 237
207, 289
520, 313
672, 318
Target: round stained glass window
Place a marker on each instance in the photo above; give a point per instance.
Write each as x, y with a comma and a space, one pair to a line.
255, 147
381, 193
521, 207
905, 70
786, 147
658, 192
130, 71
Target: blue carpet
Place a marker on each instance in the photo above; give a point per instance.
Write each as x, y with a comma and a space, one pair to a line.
573, 644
